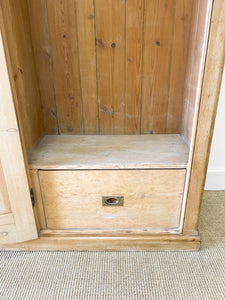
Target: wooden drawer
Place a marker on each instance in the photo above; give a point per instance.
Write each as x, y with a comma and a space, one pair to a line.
73, 199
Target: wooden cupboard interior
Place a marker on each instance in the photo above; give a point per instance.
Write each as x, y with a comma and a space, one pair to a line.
101, 87
116, 67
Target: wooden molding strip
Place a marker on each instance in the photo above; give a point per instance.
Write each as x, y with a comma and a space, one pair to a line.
125, 243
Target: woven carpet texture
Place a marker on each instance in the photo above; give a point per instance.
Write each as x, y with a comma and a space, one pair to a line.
124, 275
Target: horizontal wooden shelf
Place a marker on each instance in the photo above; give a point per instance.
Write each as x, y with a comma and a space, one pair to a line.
109, 152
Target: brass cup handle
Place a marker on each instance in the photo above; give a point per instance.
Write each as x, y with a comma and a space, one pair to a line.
112, 200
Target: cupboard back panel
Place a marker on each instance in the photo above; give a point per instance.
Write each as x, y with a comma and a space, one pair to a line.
103, 66
111, 67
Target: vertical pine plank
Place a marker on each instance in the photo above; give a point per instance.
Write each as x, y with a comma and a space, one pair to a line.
86, 44
134, 41
42, 55
182, 29
63, 35
158, 31
110, 43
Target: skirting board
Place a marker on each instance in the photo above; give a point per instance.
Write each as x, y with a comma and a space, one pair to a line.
215, 179
109, 243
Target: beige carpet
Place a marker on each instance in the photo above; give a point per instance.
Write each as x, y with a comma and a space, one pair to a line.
124, 275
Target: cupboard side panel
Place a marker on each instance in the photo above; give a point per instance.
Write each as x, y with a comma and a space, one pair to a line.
209, 99
194, 68
17, 40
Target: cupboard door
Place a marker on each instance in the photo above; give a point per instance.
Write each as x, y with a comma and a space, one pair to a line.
17, 221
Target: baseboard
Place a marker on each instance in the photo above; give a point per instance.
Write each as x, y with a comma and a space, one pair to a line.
104, 243
215, 179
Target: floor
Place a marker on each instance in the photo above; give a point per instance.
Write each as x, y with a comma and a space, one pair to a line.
124, 275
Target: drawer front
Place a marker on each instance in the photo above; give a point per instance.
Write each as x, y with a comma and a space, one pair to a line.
74, 199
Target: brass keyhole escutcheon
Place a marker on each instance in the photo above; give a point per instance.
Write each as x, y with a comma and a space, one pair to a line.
112, 200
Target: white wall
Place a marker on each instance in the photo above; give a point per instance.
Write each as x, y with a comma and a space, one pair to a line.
215, 179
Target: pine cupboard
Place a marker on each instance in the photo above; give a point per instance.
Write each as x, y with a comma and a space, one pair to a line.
106, 119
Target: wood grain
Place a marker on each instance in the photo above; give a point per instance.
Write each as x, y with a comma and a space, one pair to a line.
158, 33
109, 152
87, 56
181, 39
106, 232
38, 199
42, 55
209, 99
4, 196
195, 68
134, 49
8, 118
123, 243
140, 59
9, 234
152, 198
6, 219
110, 43
63, 35
188, 112
22, 69
15, 184
72, 55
